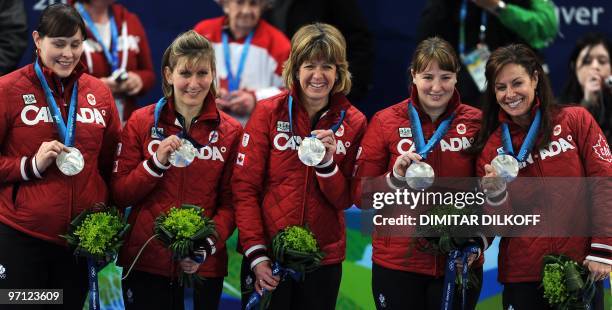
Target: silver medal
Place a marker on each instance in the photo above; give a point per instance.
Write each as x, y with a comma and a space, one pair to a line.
70, 163
420, 175
506, 166
311, 151
184, 155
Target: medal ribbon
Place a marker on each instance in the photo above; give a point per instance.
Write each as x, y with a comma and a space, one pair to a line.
529, 142
92, 274
333, 128
415, 123
234, 80
277, 270
183, 134
66, 131
462, 18
448, 291
112, 54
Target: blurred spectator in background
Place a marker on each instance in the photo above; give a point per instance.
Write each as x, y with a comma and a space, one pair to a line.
117, 51
250, 54
290, 15
13, 34
477, 27
590, 79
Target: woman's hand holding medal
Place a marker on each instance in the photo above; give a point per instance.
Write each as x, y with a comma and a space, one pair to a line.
168, 146
328, 139
492, 184
403, 162
47, 153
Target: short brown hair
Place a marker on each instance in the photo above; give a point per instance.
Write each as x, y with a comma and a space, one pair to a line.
318, 41
195, 48
435, 49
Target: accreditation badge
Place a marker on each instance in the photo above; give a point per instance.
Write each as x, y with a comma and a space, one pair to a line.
475, 62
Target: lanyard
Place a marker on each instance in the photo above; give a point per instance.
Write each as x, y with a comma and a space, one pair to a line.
529, 139
112, 54
66, 131
234, 80
334, 128
183, 134
422, 148
462, 18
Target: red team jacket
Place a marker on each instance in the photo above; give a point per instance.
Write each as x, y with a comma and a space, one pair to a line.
264, 62
42, 205
388, 137
138, 57
142, 182
578, 148
273, 189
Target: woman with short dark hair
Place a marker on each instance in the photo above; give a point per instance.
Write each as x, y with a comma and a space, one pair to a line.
58, 135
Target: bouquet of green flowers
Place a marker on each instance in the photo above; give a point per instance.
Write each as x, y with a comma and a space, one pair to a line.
296, 248
295, 252
97, 233
444, 239
564, 283
184, 230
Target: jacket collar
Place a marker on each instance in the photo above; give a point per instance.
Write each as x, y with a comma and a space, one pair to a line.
208, 113
337, 102
54, 81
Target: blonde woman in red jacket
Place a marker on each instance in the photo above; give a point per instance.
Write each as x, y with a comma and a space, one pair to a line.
145, 178
51, 110
117, 51
274, 189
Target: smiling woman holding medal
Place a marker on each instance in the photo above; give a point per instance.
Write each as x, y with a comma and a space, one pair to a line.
178, 151
394, 148
58, 133
521, 123
293, 168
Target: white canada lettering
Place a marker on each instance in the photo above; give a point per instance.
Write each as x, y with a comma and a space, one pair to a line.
340, 149
404, 146
455, 144
32, 115
210, 152
556, 148
283, 142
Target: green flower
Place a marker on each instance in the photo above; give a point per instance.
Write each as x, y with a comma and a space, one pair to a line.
299, 239
183, 222
554, 284
98, 232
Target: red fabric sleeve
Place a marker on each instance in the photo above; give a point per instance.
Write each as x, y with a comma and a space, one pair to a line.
336, 185
134, 177
249, 177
